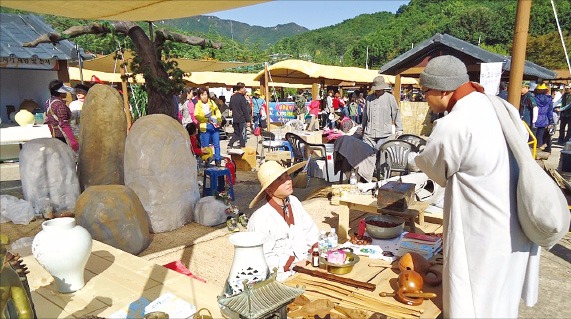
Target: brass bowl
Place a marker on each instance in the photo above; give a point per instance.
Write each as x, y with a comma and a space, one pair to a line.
384, 232
337, 269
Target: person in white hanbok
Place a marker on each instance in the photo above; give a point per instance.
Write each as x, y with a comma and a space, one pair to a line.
489, 263
291, 231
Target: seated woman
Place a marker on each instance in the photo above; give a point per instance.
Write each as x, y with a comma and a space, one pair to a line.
193, 133
291, 231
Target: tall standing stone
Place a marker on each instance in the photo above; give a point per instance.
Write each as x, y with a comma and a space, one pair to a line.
47, 171
103, 130
161, 169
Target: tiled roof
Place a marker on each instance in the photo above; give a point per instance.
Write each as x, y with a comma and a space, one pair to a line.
16, 29
438, 40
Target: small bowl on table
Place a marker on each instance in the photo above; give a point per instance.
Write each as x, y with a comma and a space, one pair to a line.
341, 269
384, 226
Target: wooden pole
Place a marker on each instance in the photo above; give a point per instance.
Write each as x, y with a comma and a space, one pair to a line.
267, 93
125, 98
396, 90
518, 51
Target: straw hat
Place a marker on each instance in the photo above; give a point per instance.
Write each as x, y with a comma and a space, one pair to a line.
269, 172
379, 83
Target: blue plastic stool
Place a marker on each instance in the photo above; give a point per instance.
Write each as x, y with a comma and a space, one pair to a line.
287, 147
218, 176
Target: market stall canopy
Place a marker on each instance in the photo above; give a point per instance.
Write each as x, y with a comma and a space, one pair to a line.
132, 10
219, 79
108, 63
304, 72
109, 77
413, 61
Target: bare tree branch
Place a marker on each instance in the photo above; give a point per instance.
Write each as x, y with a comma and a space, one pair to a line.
192, 40
123, 27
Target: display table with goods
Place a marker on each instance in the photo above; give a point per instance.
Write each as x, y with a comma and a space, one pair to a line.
369, 204
119, 285
372, 286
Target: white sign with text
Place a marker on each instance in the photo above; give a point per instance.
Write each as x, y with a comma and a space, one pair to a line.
490, 74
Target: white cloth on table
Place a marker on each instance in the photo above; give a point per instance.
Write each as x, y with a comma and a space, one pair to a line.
489, 263
283, 240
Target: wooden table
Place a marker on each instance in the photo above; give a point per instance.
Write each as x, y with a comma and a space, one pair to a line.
114, 279
367, 203
385, 280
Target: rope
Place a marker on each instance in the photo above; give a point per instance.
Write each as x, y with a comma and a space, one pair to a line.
561, 35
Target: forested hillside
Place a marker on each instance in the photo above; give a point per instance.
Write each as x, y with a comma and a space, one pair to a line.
488, 22
240, 32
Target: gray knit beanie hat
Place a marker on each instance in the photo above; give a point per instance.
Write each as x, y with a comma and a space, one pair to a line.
444, 73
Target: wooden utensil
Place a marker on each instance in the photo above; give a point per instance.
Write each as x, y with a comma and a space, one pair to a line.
345, 281
425, 295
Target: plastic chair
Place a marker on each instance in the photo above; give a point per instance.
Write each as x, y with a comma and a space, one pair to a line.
394, 154
219, 177
413, 139
303, 150
270, 143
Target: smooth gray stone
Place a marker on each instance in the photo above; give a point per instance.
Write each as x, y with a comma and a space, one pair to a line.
102, 136
161, 169
47, 172
113, 214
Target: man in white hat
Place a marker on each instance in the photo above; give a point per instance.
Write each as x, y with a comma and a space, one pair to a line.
381, 112
489, 263
291, 231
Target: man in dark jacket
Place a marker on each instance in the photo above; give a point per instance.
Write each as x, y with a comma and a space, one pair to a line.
565, 116
240, 115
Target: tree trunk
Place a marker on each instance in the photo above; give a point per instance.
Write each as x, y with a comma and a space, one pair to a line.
161, 100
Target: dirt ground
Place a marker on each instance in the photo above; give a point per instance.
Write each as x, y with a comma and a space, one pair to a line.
208, 254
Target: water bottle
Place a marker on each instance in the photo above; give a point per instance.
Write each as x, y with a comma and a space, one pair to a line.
353, 182
323, 244
332, 239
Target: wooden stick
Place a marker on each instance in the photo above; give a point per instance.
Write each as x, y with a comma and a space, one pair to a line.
375, 300
425, 295
331, 277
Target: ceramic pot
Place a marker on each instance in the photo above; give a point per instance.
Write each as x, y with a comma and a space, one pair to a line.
62, 248
249, 261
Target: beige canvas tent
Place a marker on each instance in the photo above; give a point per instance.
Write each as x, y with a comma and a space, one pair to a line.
299, 71
132, 10
108, 63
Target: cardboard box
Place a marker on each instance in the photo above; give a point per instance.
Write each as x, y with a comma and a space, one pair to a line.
278, 156
245, 161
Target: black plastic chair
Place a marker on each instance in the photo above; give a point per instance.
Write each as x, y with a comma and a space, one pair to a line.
303, 151
269, 143
394, 154
413, 139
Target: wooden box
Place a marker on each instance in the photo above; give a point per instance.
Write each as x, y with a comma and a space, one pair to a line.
396, 196
245, 161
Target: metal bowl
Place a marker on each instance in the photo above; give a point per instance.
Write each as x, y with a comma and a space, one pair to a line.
337, 269
384, 232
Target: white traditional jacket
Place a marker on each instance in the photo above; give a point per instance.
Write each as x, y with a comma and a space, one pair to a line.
284, 241
489, 263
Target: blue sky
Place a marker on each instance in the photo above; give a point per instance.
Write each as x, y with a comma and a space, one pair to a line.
309, 14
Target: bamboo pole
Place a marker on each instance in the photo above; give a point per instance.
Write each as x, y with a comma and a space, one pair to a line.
267, 93
518, 51
125, 98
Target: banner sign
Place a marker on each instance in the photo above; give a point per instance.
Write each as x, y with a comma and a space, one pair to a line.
282, 112
490, 74
28, 63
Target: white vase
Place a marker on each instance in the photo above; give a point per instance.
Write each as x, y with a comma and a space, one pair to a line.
62, 248
249, 261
